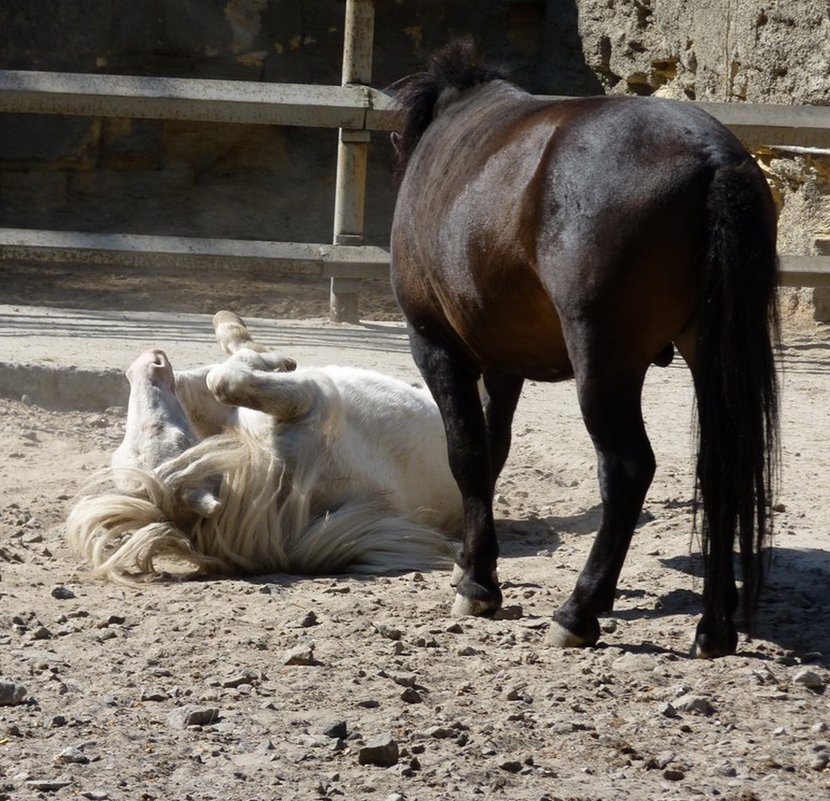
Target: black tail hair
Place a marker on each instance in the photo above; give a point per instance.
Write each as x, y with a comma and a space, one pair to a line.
737, 385
456, 66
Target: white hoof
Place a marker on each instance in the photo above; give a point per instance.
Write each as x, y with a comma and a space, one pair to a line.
560, 637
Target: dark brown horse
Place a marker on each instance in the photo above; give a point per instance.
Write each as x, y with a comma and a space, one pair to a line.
582, 239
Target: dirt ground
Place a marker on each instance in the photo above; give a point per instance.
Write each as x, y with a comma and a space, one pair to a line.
182, 691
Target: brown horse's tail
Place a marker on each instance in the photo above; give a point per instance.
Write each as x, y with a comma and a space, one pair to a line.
737, 388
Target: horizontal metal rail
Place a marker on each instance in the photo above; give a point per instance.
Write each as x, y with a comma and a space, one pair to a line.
353, 107
773, 124
806, 271
294, 258
195, 100
167, 252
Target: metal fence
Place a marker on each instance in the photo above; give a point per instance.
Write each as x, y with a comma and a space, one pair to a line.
356, 109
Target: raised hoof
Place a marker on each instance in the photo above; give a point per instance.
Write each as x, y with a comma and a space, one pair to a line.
560, 637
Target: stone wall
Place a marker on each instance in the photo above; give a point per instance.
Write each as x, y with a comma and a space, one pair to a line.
728, 50
277, 183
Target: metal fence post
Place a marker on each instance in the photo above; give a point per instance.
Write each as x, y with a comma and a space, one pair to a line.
352, 154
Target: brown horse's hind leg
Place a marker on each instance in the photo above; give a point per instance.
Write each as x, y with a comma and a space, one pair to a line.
453, 383
611, 409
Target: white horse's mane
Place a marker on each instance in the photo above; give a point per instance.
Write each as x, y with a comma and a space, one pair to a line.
263, 523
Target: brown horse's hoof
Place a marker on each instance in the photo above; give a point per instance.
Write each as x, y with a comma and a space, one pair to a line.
571, 630
706, 648
560, 637
473, 599
473, 607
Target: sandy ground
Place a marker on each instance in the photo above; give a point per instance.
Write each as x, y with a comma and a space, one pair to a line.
182, 691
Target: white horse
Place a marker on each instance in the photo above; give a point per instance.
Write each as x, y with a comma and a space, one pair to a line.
251, 466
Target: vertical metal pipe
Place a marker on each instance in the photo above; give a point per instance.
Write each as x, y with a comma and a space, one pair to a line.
352, 154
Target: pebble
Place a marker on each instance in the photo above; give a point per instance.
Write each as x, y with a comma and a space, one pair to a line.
564, 727
519, 694
696, 704
673, 774
48, 785
72, 756
633, 663
820, 761
336, 729
667, 710
11, 693
511, 765
62, 593
411, 696
41, 633
381, 751
403, 679
192, 716
663, 759
302, 654
514, 612
153, 695
440, 732
310, 619
390, 632
110, 620
809, 679
246, 677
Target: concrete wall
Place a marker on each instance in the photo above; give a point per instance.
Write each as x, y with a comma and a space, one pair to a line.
250, 181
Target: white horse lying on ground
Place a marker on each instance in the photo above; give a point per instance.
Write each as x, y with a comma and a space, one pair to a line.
249, 467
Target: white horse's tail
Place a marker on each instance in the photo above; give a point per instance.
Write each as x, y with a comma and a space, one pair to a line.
262, 523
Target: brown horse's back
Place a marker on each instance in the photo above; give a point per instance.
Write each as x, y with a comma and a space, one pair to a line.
551, 211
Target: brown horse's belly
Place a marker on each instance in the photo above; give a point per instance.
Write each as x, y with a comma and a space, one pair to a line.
518, 339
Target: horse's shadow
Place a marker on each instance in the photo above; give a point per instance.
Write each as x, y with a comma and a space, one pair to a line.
520, 537
527, 536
